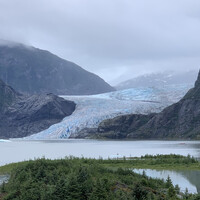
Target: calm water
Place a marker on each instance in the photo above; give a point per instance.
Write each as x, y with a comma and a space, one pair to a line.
4, 178
189, 179
19, 150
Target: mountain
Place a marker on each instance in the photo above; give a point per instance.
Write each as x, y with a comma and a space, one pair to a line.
96, 108
7, 96
31, 70
178, 121
164, 79
22, 115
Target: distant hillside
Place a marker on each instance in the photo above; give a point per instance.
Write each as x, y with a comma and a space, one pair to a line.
22, 115
31, 70
164, 79
178, 121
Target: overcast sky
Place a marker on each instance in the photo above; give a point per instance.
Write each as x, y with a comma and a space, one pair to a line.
116, 39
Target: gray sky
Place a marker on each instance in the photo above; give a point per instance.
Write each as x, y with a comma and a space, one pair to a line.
116, 39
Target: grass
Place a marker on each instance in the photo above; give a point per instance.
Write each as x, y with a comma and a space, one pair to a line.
7, 169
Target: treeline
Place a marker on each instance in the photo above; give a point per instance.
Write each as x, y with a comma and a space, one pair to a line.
171, 158
171, 161
85, 179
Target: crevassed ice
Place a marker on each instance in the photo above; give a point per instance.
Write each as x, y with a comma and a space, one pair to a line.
93, 109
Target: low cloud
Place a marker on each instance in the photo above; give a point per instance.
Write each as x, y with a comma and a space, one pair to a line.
115, 39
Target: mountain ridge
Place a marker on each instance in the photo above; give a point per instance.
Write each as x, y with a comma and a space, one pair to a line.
31, 70
178, 121
24, 115
161, 79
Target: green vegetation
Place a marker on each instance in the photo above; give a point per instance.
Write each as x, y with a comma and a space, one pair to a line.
171, 161
7, 169
80, 178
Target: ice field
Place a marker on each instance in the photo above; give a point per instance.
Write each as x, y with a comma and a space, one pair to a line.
93, 109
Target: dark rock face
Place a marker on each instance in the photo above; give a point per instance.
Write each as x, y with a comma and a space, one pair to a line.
32, 71
7, 96
27, 115
117, 127
178, 121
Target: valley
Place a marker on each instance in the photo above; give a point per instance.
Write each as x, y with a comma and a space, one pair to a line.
92, 110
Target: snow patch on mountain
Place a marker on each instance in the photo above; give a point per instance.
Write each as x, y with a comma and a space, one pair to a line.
160, 79
2, 140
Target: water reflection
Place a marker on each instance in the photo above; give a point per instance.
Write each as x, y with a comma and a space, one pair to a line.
4, 178
193, 176
189, 179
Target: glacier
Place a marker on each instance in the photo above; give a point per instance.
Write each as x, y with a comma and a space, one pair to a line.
93, 109
2, 140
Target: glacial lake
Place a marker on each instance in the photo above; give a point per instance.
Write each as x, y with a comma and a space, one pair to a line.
189, 179
4, 179
20, 150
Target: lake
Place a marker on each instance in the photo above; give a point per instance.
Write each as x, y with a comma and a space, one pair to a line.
189, 179
20, 150
4, 179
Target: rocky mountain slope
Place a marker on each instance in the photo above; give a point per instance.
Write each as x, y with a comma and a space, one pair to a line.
7, 96
22, 115
31, 70
178, 121
96, 108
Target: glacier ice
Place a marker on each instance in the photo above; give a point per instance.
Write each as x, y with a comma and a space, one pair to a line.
93, 109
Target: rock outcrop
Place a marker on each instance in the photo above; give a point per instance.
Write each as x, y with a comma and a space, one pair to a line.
178, 121
7, 96
34, 71
22, 115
